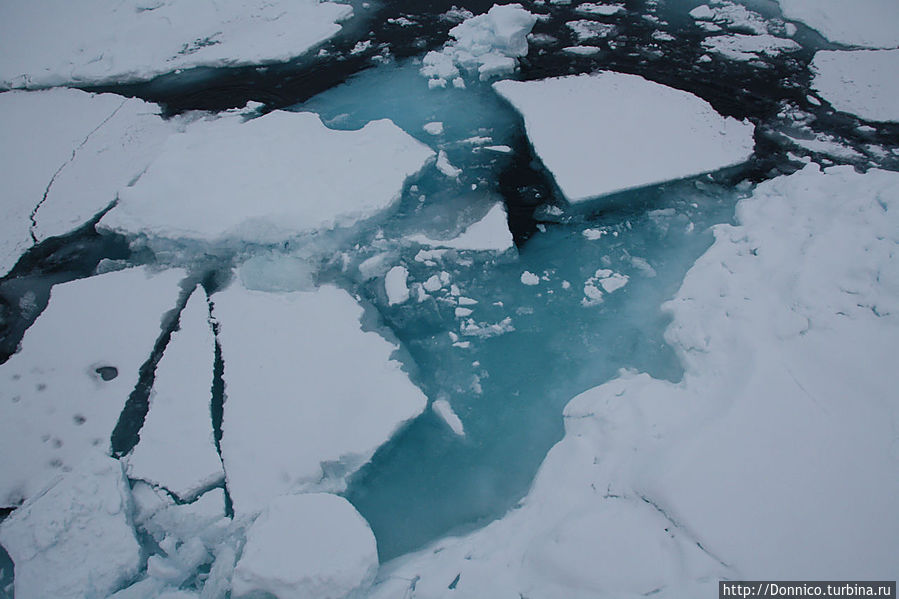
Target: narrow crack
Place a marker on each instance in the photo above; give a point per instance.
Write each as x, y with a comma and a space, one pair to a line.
681, 528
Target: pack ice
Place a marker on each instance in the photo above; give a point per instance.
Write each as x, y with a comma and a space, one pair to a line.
51, 43
861, 82
863, 23
607, 132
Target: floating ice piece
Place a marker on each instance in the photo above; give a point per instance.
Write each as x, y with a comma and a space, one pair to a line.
74, 539
605, 10
743, 48
443, 409
314, 545
177, 448
861, 82
529, 278
582, 50
490, 234
293, 418
735, 17
446, 167
596, 133
865, 23
434, 128
395, 285
603, 281
586, 30
53, 43
267, 180
64, 390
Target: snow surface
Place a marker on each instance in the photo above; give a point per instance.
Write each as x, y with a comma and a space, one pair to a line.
313, 546
267, 179
780, 438
55, 42
395, 285
864, 23
293, 418
74, 539
742, 47
55, 406
177, 448
861, 82
490, 234
597, 133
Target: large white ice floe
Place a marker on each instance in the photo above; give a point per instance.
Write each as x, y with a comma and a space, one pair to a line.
177, 449
307, 546
742, 47
788, 328
63, 392
491, 233
60, 172
607, 132
293, 419
861, 82
75, 538
50, 43
489, 44
267, 179
864, 23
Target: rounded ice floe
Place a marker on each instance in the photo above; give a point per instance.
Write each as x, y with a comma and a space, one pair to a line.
599, 134
861, 82
267, 180
865, 23
313, 546
395, 285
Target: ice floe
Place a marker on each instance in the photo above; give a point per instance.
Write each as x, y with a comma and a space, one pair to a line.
861, 82
177, 449
865, 23
491, 233
743, 47
787, 328
74, 539
312, 545
598, 133
443, 409
53, 43
64, 390
735, 17
293, 419
267, 179
395, 285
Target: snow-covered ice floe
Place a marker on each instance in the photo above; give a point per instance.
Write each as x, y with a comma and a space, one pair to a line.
861, 82
607, 132
293, 419
743, 47
864, 23
55, 42
266, 180
58, 177
311, 545
75, 538
63, 392
780, 438
491, 233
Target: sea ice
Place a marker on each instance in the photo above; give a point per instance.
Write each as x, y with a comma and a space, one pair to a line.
735, 17
307, 546
177, 448
443, 409
51, 43
586, 30
743, 48
74, 539
64, 390
605, 10
395, 285
267, 179
597, 133
864, 23
861, 82
293, 419
490, 234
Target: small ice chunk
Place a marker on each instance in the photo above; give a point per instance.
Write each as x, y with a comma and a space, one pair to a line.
443, 409
434, 128
594, 234
585, 29
604, 10
743, 48
463, 312
860, 82
529, 278
446, 167
582, 50
491, 233
395, 285
74, 539
314, 545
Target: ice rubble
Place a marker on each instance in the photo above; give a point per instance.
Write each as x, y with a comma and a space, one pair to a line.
596, 133
55, 42
307, 546
74, 539
489, 44
176, 448
733, 16
780, 438
267, 179
864, 23
490, 234
293, 420
861, 82
58, 177
64, 390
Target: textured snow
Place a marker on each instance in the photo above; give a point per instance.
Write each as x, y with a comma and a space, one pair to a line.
865, 23
307, 546
55, 405
176, 448
742, 47
780, 438
597, 133
55, 42
292, 416
861, 82
97, 143
490, 234
395, 285
74, 539
267, 180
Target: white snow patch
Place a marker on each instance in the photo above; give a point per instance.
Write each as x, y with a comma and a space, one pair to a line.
865, 23
861, 82
490, 234
443, 409
395, 285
